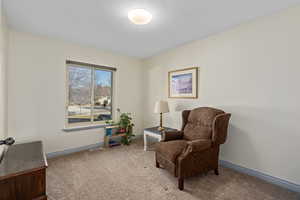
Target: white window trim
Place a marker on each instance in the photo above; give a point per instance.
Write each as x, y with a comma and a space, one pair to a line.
87, 125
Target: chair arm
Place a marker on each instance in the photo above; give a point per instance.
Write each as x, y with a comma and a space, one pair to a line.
194, 157
197, 146
171, 135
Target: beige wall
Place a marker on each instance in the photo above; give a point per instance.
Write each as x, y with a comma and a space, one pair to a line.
3, 67
36, 83
251, 71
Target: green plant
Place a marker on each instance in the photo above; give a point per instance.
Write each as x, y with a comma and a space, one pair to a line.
126, 124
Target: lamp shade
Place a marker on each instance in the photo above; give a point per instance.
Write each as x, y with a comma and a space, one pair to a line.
161, 107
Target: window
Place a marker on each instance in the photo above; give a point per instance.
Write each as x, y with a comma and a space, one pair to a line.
89, 94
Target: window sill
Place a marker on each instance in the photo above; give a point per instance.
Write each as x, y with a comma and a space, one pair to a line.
82, 128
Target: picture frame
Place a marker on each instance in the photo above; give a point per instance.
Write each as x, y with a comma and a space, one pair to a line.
183, 83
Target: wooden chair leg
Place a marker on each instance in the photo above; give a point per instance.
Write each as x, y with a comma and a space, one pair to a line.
180, 183
216, 172
156, 164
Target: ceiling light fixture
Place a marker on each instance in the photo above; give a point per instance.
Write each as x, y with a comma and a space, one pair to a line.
139, 16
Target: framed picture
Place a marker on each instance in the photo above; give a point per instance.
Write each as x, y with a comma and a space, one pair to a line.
183, 83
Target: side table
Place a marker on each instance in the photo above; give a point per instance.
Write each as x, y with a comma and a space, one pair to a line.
154, 133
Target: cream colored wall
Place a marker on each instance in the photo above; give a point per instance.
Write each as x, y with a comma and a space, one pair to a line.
251, 71
3, 67
36, 83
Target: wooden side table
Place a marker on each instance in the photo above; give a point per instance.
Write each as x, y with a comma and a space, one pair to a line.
114, 134
155, 133
108, 137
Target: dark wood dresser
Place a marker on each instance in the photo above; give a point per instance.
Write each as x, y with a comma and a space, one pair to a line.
23, 173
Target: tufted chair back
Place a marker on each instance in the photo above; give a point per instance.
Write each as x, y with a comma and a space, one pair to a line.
198, 123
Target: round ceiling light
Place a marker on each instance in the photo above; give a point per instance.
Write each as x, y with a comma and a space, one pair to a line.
139, 16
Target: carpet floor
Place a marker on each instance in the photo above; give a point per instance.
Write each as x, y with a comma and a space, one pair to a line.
129, 173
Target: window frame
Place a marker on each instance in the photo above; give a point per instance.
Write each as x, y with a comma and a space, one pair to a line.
91, 123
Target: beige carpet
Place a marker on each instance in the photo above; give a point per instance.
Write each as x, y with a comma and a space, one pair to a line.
129, 173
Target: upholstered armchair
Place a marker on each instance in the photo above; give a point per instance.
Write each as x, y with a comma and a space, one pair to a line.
195, 148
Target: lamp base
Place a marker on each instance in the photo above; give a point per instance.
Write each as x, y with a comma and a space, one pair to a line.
160, 128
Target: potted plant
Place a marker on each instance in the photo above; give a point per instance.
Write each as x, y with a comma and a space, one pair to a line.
126, 126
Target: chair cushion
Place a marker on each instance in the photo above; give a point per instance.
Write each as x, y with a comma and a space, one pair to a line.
199, 124
171, 149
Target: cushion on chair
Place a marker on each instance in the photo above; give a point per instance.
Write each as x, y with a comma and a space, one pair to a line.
171, 150
199, 124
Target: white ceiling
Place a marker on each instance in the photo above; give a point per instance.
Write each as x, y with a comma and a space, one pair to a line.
104, 23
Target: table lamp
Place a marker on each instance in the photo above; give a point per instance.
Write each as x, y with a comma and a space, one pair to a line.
161, 107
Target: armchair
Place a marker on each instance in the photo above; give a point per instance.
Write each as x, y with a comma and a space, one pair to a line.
195, 148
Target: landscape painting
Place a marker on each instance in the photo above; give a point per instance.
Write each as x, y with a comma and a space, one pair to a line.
183, 83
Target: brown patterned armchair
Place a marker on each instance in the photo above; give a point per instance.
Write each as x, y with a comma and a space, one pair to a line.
195, 148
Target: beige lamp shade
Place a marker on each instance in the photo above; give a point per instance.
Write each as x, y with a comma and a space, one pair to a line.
161, 107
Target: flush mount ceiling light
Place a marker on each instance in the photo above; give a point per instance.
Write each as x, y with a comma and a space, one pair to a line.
139, 16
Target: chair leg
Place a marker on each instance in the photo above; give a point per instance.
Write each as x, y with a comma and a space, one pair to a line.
156, 164
180, 183
216, 172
